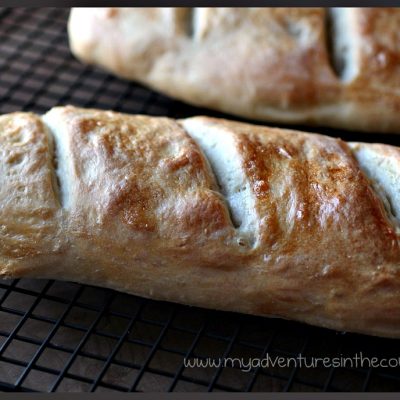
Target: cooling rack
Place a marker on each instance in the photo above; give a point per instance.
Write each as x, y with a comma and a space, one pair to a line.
61, 336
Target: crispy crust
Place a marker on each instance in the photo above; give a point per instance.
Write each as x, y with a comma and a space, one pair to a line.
139, 210
269, 64
28, 194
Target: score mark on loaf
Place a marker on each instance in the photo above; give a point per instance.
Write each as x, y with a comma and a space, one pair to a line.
205, 212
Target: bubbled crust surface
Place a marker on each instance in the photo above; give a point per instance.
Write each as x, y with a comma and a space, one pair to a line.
29, 220
144, 180
322, 228
271, 64
143, 214
307, 184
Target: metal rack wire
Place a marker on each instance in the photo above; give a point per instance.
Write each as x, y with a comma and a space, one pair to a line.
59, 336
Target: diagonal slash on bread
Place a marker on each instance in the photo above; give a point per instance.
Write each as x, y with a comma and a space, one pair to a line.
337, 67
205, 212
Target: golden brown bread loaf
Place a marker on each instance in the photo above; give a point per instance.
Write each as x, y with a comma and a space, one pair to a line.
333, 67
205, 212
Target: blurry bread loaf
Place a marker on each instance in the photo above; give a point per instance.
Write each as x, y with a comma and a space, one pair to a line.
335, 67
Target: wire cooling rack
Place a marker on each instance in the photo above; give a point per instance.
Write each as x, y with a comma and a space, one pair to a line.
59, 336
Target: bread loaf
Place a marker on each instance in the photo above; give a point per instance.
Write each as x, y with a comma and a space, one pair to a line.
335, 67
205, 212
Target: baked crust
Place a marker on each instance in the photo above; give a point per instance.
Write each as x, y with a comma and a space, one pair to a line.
140, 207
29, 208
268, 64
